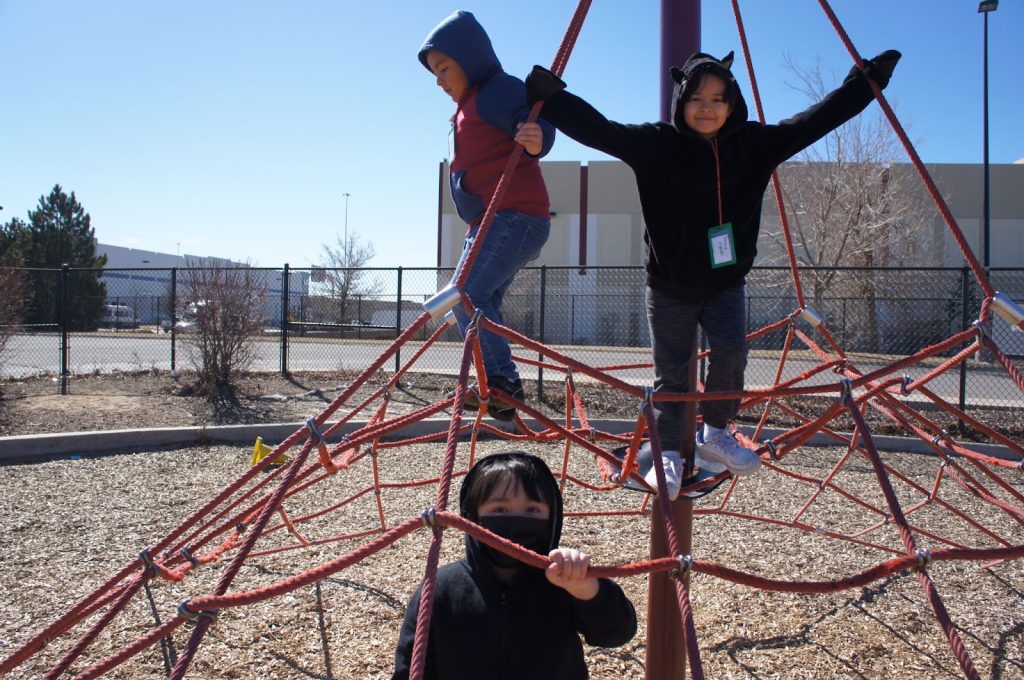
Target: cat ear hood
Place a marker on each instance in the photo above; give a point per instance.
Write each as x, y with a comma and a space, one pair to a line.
688, 77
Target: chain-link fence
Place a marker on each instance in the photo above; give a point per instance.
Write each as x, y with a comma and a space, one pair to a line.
93, 321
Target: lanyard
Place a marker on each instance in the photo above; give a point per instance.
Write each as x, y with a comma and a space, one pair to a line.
718, 179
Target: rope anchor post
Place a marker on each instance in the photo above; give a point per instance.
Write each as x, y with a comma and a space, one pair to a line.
442, 302
1011, 312
810, 316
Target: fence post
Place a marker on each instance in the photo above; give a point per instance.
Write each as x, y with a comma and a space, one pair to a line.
543, 312
174, 319
964, 321
398, 321
284, 320
65, 280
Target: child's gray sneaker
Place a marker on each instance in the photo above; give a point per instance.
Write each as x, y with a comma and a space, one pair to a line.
673, 474
725, 450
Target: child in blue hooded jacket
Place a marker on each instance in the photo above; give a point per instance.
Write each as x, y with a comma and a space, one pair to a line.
490, 119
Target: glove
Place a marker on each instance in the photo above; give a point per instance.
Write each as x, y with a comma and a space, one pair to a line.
880, 68
541, 84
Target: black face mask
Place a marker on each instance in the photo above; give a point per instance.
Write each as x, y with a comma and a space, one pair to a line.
532, 533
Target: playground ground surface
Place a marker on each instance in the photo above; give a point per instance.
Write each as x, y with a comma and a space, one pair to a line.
76, 521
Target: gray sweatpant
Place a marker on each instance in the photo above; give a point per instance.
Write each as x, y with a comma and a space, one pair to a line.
673, 325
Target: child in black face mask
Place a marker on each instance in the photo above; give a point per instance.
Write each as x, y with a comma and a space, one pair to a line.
493, 616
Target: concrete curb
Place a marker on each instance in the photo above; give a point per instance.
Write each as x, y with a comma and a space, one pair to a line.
27, 447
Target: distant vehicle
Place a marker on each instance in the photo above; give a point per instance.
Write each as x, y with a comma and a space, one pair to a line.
186, 323
118, 316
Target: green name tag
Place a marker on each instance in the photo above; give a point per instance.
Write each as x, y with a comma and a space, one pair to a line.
722, 245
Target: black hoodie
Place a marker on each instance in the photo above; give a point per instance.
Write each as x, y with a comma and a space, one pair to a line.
483, 628
676, 172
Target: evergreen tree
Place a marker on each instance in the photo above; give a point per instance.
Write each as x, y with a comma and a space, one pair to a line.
59, 232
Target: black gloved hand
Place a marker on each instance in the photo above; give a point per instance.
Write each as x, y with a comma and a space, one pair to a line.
541, 84
880, 68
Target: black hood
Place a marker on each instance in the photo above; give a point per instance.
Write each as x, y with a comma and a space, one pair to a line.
544, 479
686, 79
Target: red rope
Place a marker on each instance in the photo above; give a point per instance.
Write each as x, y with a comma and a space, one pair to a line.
909, 544
776, 184
933, 190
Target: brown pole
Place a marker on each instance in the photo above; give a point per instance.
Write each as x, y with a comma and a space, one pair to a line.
666, 641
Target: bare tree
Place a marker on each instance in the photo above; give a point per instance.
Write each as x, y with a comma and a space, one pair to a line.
849, 203
341, 270
13, 295
225, 305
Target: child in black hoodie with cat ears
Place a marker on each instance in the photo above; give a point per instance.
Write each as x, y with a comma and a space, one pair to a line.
701, 180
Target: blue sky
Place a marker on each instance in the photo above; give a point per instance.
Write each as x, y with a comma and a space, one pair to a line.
234, 128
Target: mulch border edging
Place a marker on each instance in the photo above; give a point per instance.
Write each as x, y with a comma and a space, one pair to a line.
31, 446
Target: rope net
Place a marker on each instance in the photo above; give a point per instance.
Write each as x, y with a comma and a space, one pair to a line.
955, 504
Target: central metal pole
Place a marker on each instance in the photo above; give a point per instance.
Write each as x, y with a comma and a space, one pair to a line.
680, 38
666, 640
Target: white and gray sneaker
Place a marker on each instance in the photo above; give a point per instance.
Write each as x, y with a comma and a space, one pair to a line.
724, 450
673, 473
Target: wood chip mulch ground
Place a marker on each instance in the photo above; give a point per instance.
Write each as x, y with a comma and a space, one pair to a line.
68, 524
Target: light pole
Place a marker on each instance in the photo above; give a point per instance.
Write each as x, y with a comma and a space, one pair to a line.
984, 8
346, 195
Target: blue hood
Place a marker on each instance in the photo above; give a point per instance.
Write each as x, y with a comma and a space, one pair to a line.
462, 38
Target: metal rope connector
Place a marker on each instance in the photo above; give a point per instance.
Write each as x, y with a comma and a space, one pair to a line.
982, 328
845, 390
147, 561
429, 518
189, 556
183, 610
685, 562
648, 398
905, 384
773, 450
314, 432
937, 439
924, 557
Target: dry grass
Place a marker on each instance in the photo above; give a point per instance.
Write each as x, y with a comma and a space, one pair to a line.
67, 525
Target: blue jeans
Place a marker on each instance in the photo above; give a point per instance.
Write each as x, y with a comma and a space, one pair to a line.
513, 240
673, 324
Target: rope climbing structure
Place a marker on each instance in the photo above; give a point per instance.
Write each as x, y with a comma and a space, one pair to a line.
274, 507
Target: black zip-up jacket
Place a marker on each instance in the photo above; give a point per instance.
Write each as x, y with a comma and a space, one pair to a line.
483, 629
480, 629
676, 174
